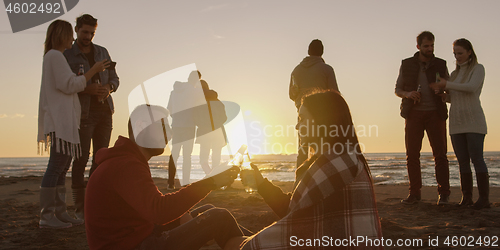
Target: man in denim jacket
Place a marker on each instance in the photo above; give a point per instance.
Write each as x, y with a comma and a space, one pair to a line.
96, 102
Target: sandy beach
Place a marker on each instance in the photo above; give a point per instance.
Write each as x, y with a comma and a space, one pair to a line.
424, 222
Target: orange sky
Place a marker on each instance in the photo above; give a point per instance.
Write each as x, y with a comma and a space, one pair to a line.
246, 51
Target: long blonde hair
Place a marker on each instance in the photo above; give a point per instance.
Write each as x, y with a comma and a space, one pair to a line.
467, 45
57, 33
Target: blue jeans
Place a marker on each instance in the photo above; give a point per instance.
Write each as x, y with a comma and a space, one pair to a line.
215, 223
57, 168
467, 147
96, 128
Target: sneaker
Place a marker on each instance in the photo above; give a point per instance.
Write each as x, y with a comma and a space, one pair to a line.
170, 188
411, 199
443, 200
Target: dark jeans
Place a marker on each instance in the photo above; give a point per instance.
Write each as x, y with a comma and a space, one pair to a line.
467, 147
215, 223
96, 128
57, 168
416, 123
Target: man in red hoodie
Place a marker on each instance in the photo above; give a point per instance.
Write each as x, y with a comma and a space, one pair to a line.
123, 205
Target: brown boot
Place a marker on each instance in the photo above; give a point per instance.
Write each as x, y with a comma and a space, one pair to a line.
411, 199
466, 187
483, 186
79, 199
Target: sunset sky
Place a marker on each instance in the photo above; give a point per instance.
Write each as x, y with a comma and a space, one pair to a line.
246, 51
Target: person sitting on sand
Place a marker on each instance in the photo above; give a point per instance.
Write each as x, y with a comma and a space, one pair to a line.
333, 191
123, 205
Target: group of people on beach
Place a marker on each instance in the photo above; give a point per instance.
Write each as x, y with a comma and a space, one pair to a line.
333, 190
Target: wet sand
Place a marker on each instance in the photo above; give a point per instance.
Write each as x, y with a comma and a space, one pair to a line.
19, 210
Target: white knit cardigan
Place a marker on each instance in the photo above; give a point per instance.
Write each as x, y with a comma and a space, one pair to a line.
59, 107
466, 113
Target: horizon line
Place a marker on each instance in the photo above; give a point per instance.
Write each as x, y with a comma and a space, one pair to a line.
427, 152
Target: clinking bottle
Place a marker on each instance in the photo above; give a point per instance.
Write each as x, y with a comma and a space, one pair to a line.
419, 90
81, 70
242, 160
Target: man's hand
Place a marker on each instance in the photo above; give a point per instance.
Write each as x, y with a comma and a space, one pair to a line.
443, 96
226, 178
95, 89
106, 92
414, 95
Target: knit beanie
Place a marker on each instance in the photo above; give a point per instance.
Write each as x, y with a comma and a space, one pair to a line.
315, 48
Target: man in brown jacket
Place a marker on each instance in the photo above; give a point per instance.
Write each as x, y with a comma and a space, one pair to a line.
311, 73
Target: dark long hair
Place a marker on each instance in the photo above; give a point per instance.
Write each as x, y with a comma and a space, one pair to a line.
329, 110
57, 33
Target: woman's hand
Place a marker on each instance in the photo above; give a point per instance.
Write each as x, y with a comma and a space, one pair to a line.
98, 67
101, 66
256, 173
438, 86
225, 178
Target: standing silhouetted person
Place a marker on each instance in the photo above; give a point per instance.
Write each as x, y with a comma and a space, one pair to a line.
183, 99
311, 73
210, 133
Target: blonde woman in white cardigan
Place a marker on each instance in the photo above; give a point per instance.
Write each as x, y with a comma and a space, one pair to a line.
58, 122
467, 121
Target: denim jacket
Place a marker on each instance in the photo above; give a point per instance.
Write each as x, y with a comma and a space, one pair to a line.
75, 58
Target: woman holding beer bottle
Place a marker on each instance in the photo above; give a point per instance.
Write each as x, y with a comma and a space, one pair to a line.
467, 121
58, 122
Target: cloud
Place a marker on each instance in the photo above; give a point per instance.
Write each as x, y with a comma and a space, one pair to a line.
214, 36
3, 116
213, 8
18, 116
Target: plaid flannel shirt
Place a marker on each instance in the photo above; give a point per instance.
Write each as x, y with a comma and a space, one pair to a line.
334, 200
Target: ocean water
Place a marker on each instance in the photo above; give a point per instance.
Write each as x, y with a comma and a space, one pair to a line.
386, 168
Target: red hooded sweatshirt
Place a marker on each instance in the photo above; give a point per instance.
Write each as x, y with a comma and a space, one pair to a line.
122, 204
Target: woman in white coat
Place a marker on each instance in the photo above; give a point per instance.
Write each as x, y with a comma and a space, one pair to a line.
467, 121
58, 122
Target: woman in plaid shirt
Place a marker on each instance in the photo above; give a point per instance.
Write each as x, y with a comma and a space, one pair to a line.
333, 203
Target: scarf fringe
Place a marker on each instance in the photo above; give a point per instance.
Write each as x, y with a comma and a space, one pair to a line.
60, 145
